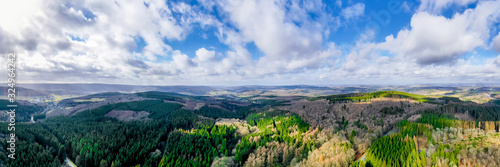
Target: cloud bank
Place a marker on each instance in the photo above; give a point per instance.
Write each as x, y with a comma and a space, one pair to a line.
248, 42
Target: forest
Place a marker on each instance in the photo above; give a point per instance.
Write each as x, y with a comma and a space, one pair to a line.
23, 111
262, 132
198, 147
447, 144
90, 139
373, 95
395, 150
479, 112
172, 134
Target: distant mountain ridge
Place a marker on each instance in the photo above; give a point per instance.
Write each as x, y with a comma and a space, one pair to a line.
85, 89
45, 89
20, 91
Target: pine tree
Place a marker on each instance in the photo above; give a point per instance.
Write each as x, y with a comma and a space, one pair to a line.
353, 133
163, 161
224, 145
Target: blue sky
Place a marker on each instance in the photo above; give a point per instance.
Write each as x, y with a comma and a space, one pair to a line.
248, 42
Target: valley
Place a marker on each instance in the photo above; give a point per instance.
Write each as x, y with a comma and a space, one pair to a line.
258, 126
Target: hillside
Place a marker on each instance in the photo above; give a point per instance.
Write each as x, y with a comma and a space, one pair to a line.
171, 129
363, 97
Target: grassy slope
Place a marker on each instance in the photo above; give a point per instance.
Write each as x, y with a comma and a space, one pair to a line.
379, 94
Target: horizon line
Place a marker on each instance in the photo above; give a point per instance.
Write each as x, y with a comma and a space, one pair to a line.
236, 85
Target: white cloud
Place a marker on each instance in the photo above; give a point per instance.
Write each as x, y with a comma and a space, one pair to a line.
15, 14
498, 60
264, 22
286, 36
205, 55
438, 40
338, 3
353, 11
44, 41
430, 51
359, 56
181, 61
436, 6
407, 6
373, 68
495, 43
62, 42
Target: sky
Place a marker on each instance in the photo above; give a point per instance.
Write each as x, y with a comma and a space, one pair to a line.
252, 42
